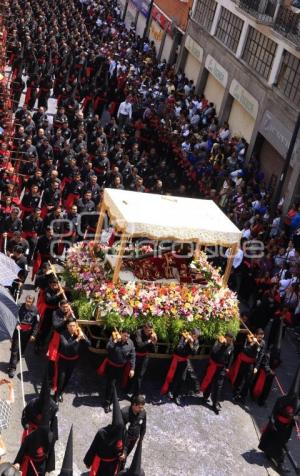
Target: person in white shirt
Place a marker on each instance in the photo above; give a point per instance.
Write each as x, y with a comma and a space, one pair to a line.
124, 112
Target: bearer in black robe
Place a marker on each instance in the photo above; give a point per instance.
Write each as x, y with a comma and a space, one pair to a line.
279, 429
103, 456
145, 342
181, 367
28, 320
119, 364
135, 417
246, 365
65, 351
220, 361
263, 380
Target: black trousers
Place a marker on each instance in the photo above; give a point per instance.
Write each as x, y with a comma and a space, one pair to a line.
215, 388
139, 373
113, 377
65, 370
44, 334
185, 374
243, 380
267, 388
14, 356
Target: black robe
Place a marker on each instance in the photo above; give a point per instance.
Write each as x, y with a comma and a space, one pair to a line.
100, 449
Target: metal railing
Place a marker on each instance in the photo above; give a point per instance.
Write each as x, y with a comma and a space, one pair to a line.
262, 10
287, 23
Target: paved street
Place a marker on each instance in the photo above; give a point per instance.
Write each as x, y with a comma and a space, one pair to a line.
184, 441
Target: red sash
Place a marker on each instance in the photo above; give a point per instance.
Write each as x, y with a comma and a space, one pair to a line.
55, 356
27, 95
53, 347
209, 375
44, 211
29, 234
25, 327
141, 354
283, 419
97, 462
70, 200
28, 430
258, 387
36, 265
233, 373
101, 370
176, 359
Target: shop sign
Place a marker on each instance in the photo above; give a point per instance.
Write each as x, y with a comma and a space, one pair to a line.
277, 134
194, 48
246, 100
216, 70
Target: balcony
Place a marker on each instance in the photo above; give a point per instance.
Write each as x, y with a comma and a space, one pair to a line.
287, 23
263, 11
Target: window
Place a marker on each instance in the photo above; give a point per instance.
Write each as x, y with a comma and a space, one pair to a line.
289, 78
229, 29
259, 52
205, 12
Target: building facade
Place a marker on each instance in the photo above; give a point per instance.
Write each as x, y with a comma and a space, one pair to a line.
245, 57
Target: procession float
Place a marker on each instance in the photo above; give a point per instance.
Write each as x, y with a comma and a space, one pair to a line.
155, 268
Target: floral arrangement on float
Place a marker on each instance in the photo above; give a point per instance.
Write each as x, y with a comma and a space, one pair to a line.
172, 307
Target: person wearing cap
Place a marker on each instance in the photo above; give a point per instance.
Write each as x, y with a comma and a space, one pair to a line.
220, 360
181, 367
246, 365
28, 321
279, 429
135, 417
103, 456
119, 364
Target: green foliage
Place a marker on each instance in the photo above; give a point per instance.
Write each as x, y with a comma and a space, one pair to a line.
84, 309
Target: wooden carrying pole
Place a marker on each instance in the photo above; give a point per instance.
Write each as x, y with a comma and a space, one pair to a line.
233, 249
100, 221
120, 254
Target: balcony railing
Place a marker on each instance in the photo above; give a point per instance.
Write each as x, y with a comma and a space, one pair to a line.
287, 23
262, 10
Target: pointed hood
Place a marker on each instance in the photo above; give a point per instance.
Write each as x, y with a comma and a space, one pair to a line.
136, 464
116, 430
295, 387
67, 466
117, 415
45, 391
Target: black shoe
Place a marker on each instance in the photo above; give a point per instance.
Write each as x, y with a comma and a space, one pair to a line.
60, 398
283, 470
170, 395
178, 401
11, 373
107, 409
216, 409
204, 400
